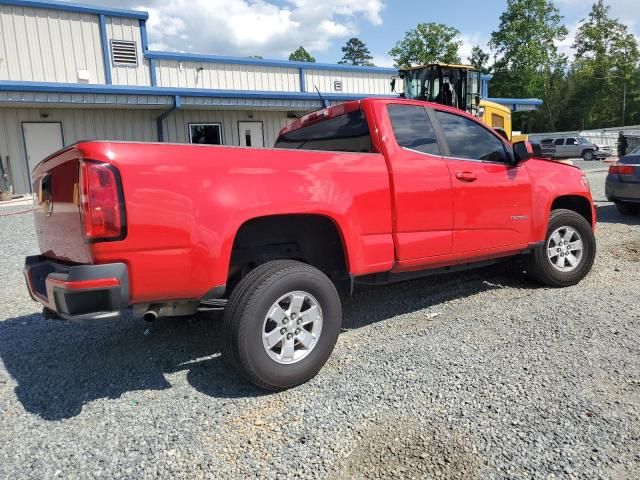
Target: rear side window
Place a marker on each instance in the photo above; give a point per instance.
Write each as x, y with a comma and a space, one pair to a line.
346, 133
468, 139
412, 128
559, 141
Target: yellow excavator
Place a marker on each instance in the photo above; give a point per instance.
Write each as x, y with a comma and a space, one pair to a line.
457, 86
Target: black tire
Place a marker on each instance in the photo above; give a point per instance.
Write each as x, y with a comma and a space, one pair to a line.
627, 208
245, 316
538, 264
588, 155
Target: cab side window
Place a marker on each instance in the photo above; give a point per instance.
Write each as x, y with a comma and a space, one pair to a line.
572, 141
412, 128
467, 139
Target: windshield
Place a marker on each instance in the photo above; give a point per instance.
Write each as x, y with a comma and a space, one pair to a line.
583, 140
421, 84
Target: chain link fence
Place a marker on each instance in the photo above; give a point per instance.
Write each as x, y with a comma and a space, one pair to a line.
606, 136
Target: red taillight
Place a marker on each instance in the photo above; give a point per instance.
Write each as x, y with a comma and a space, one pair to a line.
621, 169
101, 203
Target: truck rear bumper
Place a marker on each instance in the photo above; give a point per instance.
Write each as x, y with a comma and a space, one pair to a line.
78, 292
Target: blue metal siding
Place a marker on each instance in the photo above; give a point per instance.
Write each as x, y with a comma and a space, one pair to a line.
105, 50
196, 57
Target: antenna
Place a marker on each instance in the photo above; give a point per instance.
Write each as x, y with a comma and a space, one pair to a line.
324, 102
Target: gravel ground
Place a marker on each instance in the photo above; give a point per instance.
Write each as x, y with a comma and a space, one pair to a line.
474, 375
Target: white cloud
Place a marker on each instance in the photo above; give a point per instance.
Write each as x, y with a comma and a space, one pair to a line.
382, 60
252, 27
469, 41
626, 11
564, 46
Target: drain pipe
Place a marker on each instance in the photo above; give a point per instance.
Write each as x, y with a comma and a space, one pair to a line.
177, 104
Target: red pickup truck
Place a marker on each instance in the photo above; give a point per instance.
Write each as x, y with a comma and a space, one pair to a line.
370, 192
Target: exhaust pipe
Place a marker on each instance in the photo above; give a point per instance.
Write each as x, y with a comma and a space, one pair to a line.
150, 315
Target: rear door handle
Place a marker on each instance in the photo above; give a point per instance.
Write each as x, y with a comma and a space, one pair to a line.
466, 176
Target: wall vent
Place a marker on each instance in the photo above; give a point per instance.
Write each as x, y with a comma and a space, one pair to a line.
124, 52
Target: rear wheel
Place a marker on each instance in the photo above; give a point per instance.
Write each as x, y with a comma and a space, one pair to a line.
627, 208
281, 324
568, 251
587, 155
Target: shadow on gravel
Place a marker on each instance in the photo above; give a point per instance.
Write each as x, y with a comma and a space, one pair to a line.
609, 214
59, 366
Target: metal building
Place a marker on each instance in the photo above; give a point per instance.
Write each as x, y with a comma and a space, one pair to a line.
72, 72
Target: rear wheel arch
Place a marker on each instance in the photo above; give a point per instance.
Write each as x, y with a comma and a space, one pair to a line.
314, 239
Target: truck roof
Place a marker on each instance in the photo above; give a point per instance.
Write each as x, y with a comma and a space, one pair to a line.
347, 107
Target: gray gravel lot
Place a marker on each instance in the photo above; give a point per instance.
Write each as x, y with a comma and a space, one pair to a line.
474, 375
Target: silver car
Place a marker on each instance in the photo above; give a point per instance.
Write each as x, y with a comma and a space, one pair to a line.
575, 147
623, 183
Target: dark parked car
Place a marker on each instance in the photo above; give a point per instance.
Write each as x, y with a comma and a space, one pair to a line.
544, 150
575, 147
623, 183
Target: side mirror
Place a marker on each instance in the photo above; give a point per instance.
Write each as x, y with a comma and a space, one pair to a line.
522, 151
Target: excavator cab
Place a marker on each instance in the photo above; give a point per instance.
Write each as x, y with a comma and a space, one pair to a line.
456, 86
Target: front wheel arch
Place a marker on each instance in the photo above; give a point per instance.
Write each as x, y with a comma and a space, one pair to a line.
576, 203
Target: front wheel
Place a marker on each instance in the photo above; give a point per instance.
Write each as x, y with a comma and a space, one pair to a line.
281, 324
587, 155
568, 252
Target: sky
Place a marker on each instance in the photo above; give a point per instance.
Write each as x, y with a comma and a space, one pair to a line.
274, 28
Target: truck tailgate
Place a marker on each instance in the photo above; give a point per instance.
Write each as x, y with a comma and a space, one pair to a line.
57, 212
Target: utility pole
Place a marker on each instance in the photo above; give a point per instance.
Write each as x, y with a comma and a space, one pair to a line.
624, 99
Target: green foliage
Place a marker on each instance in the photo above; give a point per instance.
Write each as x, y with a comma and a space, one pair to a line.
528, 64
356, 53
479, 59
427, 43
604, 71
301, 55
587, 93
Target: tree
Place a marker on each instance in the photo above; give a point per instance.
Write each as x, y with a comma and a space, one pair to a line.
527, 62
356, 53
427, 43
479, 59
606, 63
301, 55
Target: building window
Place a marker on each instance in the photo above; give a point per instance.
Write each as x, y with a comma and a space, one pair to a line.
205, 133
124, 52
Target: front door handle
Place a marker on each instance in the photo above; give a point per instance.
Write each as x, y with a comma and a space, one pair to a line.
466, 176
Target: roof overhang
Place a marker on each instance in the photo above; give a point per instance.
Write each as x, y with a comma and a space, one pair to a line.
519, 104
78, 8
71, 94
